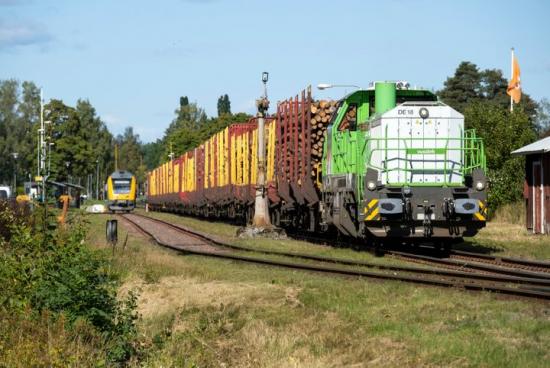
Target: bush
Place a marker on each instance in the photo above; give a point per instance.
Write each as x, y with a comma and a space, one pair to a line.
52, 271
502, 132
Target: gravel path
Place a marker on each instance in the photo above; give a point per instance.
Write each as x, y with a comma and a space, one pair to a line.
174, 237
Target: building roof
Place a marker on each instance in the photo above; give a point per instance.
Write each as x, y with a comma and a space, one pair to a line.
63, 185
540, 146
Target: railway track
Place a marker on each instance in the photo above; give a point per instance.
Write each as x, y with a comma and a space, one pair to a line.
189, 241
533, 265
471, 264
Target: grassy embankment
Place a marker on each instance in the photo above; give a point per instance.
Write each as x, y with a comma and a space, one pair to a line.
212, 312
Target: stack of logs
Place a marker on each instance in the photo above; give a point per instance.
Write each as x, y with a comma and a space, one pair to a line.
321, 115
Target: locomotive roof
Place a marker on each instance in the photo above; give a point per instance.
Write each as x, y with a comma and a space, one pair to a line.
405, 94
122, 174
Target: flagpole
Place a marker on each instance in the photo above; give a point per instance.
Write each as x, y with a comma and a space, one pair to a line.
512, 76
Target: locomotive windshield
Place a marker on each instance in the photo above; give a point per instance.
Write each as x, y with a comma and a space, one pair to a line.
121, 186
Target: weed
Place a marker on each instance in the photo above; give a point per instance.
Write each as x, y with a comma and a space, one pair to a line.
53, 273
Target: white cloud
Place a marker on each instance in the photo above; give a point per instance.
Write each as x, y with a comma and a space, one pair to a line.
112, 119
247, 106
16, 34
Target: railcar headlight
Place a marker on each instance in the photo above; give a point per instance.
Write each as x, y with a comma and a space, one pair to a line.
371, 185
424, 113
480, 185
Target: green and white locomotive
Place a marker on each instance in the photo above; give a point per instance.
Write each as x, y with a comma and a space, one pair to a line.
405, 168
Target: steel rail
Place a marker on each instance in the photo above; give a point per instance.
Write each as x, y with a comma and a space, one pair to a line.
511, 260
520, 291
473, 265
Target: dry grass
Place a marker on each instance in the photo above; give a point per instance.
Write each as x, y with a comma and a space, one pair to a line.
43, 342
176, 292
506, 235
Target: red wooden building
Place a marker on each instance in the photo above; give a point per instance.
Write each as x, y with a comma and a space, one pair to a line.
536, 188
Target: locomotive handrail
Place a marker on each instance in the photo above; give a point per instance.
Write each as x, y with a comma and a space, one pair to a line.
471, 149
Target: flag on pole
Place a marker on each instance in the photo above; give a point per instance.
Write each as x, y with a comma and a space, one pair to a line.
514, 86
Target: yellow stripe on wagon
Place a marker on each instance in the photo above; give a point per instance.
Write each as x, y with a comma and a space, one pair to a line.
372, 203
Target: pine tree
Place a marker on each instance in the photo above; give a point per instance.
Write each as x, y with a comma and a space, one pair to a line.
224, 105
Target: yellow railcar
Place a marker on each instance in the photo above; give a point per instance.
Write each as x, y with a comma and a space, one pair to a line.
121, 191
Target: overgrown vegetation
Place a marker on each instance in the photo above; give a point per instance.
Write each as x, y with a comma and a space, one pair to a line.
49, 279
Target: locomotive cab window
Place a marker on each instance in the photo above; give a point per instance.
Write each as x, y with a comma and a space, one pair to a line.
121, 186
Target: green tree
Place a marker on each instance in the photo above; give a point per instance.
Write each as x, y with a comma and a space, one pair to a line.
463, 87
543, 118
130, 154
29, 117
19, 111
469, 85
502, 133
189, 129
96, 133
80, 140
214, 125
152, 153
129, 150
224, 105
72, 155
183, 133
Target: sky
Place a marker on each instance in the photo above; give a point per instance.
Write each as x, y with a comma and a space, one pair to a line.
133, 59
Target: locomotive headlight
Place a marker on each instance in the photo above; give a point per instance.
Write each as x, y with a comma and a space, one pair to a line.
424, 113
480, 185
371, 185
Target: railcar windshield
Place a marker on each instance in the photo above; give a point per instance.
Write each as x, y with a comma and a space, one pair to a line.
3, 194
121, 186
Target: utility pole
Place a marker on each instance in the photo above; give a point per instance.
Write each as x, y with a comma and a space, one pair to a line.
50, 156
171, 154
261, 213
97, 179
116, 157
15, 154
512, 76
42, 150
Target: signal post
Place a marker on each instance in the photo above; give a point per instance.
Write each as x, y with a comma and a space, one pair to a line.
261, 212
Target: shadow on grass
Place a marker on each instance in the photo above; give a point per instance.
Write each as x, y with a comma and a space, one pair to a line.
470, 245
